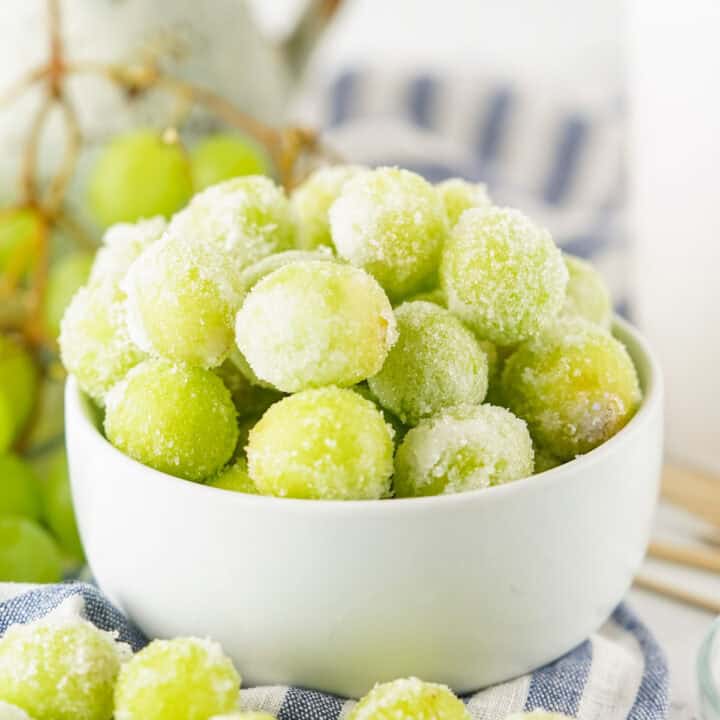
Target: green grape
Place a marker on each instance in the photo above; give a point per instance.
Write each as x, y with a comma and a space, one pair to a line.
12, 712
575, 385
27, 554
18, 386
324, 444
249, 399
58, 509
435, 363
463, 448
392, 223
399, 428
61, 667
312, 324
180, 679
20, 229
410, 698
66, 277
436, 296
224, 156
545, 460
312, 199
254, 273
176, 419
235, 478
19, 488
7, 423
503, 275
587, 294
139, 175
459, 195
94, 342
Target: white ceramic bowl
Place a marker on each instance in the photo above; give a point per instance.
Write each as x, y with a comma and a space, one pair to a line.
468, 589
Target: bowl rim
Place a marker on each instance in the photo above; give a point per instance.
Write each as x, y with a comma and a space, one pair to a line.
77, 405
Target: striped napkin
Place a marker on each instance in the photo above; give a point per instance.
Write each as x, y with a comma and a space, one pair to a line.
619, 673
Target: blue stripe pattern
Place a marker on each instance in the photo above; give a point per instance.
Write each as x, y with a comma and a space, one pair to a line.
573, 137
493, 128
342, 97
422, 98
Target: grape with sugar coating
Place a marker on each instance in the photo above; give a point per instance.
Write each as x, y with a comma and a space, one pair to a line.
312, 199
436, 363
254, 273
66, 277
95, 345
61, 666
587, 294
18, 389
226, 155
27, 552
12, 712
460, 195
545, 460
236, 478
312, 324
392, 223
19, 488
410, 698
503, 275
249, 399
463, 448
324, 444
180, 679
174, 418
575, 385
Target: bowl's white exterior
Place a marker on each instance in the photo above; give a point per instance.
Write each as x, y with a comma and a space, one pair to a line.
468, 589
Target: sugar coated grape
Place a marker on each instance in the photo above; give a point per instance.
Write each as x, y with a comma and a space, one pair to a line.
176, 419
575, 385
27, 553
545, 460
254, 273
20, 229
122, 244
249, 399
139, 175
459, 195
313, 324
242, 716
61, 667
503, 275
236, 478
94, 341
436, 296
12, 712
587, 294
328, 443
58, 510
311, 202
65, 278
463, 448
18, 388
410, 698
181, 679
223, 156
435, 363
392, 223
19, 488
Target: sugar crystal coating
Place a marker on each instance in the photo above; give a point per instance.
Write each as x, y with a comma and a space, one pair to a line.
503, 275
463, 448
180, 679
27, 552
61, 667
575, 385
435, 363
177, 419
392, 223
587, 294
312, 199
328, 444
312, 324
410, 698
460, 195
236, 478
95, 345
254, 273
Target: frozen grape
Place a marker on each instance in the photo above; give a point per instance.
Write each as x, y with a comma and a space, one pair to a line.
19, 488
176, 419
18, 387
254, 273
399, 428
180, 679
12, 712
20, 230
435, 363
139, 175
463, 448
61, 667
27, 554
545, 460
575, 385
122, 244
436, 296
94, 342
223, 156
66, 277
410, 698
460, 195
311, 202
312, 324
587, 294
249, 399
328, 444
392, 223
236, 478
503, 275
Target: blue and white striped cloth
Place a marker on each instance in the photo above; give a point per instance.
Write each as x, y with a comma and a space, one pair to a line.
619, 673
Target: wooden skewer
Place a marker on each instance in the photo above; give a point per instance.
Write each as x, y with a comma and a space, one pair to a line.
675, 593
690, 556
693, 490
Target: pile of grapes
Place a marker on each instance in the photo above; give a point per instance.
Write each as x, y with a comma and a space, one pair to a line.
371, 336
